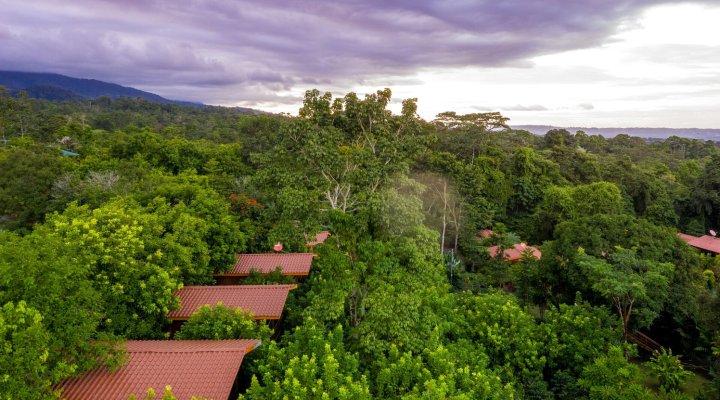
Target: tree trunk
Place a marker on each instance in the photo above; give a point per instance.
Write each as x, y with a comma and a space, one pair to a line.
444, 223
456, 222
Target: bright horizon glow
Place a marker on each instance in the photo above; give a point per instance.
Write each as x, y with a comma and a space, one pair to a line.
644, 76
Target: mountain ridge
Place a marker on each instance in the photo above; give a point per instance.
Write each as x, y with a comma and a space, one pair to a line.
57, 87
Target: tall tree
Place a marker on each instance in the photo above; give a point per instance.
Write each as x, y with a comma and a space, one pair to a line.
26, 183
632, 285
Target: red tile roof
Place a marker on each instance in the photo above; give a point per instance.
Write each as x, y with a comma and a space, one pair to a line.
206, 368
515, 253
486, 233
264, 301
705, 242
686, 237
295, 264
319, 239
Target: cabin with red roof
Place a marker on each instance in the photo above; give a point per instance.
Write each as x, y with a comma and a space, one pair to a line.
291, 264
320, 237
266, 302
486, 233
706, 243
515, 253
202, 368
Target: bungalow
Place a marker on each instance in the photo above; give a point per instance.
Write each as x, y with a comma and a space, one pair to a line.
266, 302
706, 243
202, 368
515, 253
290, 264
485, 233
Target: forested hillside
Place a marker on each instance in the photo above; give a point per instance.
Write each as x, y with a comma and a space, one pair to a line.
108, 207
58, 87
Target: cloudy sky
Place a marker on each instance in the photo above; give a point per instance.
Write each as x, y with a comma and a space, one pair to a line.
603, 63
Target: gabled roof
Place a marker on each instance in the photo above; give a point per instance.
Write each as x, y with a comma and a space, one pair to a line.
264, 301
206, 368
295, 264
319, 239
706, 242
515, 253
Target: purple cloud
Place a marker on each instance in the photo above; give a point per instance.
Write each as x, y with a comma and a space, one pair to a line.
221, 51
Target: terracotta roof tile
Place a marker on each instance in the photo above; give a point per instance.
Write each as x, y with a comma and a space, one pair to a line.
319, 238
706, 243
205, 368
486, 233
296, 264
264, 301
515, 253
686, 237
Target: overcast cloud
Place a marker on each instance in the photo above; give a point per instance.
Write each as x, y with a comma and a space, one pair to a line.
265, 53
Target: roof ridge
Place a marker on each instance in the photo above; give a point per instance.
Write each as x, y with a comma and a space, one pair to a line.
236, 287
221, 350
224, 350
192, 345
274, 254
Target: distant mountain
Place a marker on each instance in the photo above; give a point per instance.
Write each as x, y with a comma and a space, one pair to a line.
56, 87
647, 133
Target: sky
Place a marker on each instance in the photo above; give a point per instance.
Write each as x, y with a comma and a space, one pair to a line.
587, 63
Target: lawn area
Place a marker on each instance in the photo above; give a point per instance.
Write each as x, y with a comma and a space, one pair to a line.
692, 386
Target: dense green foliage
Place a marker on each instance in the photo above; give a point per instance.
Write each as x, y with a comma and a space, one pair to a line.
24, 342
669, 370
611, 376
404, 301
220, 322
310, 365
